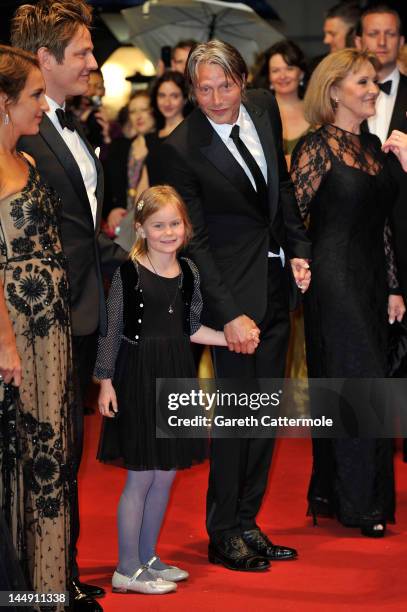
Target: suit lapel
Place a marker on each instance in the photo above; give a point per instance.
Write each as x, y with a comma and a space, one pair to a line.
398, 118
219, 155
264, 131
65, 157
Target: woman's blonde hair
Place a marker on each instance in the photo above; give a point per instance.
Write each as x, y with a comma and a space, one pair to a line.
150, 202
319, 107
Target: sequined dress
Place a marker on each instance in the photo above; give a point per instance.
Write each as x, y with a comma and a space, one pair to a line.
36, 436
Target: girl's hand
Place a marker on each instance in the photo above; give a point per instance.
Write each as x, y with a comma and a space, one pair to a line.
10, 364
254, 335
107, 398
396, 308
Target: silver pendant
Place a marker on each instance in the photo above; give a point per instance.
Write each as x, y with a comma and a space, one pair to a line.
170, 310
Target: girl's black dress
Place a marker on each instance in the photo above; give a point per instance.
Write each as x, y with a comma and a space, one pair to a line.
343, 184
144, 342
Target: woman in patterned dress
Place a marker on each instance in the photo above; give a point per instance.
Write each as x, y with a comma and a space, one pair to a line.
36, 394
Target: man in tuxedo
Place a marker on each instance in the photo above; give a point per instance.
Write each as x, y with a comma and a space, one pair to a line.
227, 162
380, 31
58, 32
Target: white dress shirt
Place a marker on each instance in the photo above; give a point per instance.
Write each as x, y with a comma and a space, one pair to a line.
81, 154
248, 133
379, 124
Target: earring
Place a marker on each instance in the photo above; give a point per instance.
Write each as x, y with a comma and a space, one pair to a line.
6, 119
335, 102
301, 83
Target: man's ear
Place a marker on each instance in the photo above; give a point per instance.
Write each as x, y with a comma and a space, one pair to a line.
45, 58
358, 43
402, 42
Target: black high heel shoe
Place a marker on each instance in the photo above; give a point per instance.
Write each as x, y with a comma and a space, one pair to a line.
376, 530
319, 506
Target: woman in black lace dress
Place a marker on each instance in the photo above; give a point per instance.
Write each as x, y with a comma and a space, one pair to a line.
36, 397
343, 184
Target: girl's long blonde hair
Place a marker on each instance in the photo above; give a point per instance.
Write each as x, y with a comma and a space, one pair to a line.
150, 202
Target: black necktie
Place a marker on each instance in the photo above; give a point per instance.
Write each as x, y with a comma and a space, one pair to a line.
251, 163
385, 87
65, 119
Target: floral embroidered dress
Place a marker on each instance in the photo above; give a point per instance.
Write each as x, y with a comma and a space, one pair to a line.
36, 437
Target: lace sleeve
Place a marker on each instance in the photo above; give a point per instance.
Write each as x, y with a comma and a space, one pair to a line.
196, 301
108, 346
392, 273
309, 163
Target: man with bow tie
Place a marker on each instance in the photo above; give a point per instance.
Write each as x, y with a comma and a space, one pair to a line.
59, 34
380, 31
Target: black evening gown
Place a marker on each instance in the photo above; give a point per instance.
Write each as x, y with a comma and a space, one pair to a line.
343, 185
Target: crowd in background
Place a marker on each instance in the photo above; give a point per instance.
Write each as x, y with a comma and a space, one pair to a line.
329, 142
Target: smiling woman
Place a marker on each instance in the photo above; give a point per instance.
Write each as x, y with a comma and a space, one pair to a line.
345, 187
36, 401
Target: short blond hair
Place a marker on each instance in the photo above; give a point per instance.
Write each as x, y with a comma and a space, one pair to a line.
150, 202
319, 107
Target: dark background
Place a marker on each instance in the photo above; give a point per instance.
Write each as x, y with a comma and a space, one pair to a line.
287, 21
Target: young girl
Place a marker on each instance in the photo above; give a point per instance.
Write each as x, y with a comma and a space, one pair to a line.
154, 307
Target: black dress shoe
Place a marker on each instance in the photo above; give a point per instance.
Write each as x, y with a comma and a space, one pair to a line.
89, 589
259, 542
232, 553
81, 602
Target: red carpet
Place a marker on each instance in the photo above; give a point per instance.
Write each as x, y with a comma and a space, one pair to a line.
338, 569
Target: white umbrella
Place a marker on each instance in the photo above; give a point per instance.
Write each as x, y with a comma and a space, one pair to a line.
164, 22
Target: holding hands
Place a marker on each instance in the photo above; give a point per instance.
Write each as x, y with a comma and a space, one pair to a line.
242, 335
301, 272
397, 144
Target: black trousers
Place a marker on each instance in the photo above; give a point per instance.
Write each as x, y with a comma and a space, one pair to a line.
84, 357
239, 467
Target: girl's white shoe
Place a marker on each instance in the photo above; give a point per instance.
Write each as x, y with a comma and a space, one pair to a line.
157, 586
173, 573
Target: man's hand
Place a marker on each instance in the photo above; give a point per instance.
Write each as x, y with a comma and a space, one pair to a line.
301, 272
396, 308
242, 335
397, 144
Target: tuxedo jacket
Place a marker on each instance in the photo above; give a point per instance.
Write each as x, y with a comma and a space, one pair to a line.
83, 245
233, 230
399, 217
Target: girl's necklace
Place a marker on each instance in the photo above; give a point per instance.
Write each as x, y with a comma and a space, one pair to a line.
171, 302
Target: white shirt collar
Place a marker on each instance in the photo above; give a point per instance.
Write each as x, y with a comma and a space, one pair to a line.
223, 129
53, 106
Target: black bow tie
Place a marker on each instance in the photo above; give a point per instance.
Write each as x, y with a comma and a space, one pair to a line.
385, 87
66, 119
